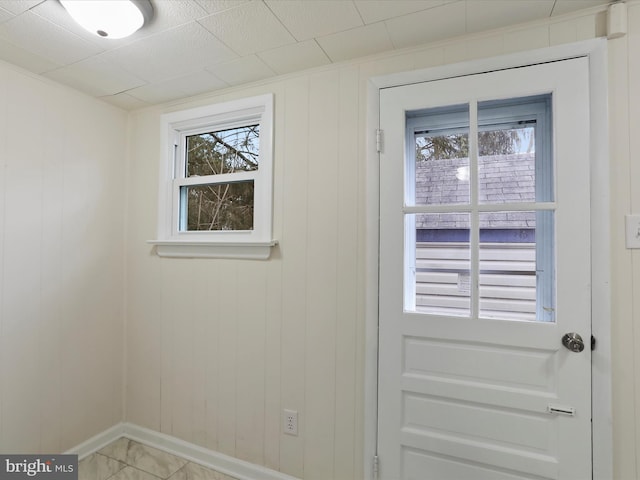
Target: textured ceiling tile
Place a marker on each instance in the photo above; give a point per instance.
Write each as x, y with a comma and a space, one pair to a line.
184, 49
175, 88
96, 76
315, 18
172, 13
248, 28
167, 14
27, 60
490, 14
4, 15
427, 26
295, 57
357, 42
18, 6
54, 12
566, 6
244, 70
124, 101
215, 6
377, 10
174, 56
46, 39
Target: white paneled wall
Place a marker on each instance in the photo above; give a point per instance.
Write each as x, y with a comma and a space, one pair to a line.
213, 350
217, 348
624, 112
62, 163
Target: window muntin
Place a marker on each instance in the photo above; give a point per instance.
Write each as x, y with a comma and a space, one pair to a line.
487, 211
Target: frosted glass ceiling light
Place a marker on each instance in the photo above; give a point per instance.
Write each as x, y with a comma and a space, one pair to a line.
109, 18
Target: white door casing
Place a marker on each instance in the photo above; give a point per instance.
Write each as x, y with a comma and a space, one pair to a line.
468, 397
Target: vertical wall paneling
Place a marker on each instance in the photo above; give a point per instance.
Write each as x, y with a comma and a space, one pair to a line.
273, 328
166, 325
51, 291
227, 361
211, 352
144, 298
625, 115
322, 241
180, 313
202, 343
347, 276
623, 361
3, 167
21, 271
217, 348
250, 375
526, 39
486, 46
293, 247
61, 251
300, 343
273, 354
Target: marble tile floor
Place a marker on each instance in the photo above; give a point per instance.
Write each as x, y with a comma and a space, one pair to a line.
126, 459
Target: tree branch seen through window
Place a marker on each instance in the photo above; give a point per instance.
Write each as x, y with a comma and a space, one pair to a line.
221, 205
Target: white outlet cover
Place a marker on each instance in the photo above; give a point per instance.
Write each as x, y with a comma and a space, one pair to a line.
290, 422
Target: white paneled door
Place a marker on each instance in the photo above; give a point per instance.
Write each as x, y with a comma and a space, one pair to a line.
485, 299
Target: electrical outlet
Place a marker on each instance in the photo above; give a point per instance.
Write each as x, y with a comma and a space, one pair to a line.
290, 422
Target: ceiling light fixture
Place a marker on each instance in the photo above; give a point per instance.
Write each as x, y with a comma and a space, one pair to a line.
110, 18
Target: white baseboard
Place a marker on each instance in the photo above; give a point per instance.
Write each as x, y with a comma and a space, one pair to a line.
220, 462
97, 442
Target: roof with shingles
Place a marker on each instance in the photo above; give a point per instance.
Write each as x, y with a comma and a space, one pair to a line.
502, 179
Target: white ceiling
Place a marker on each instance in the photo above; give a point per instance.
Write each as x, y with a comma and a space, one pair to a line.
194, 46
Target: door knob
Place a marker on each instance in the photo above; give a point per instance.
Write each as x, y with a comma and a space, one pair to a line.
573, 342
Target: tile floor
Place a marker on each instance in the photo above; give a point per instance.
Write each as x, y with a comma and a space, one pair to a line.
126, 459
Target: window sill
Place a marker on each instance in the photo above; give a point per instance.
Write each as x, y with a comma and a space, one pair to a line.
181, 249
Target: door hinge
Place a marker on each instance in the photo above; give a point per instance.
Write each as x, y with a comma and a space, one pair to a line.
593, 343
379, 140
376, 466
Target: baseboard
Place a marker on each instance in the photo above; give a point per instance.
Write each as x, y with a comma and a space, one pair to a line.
220, 462
97, 442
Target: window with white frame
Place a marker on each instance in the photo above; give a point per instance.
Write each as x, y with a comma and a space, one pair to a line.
216, 180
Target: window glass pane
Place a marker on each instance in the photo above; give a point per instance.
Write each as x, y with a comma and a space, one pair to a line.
507, 165
225, 151
517, 280
442, 263
440, 174
221, 206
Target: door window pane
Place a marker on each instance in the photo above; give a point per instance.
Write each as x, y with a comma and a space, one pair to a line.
440, 144
441, 265
507, 165
516, 280
508, 250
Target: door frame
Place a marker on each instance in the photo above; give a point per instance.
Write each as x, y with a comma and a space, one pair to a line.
596, 51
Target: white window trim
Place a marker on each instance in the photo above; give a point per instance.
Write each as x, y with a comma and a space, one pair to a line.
175, 126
